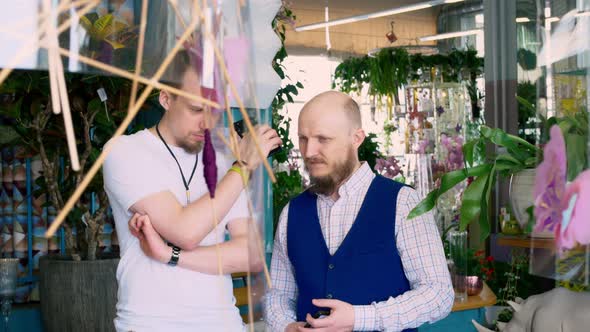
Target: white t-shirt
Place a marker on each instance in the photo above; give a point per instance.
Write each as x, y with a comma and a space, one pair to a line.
153, 296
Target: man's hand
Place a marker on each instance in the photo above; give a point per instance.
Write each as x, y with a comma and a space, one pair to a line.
268, 139
341, 317
294, 327
150, 241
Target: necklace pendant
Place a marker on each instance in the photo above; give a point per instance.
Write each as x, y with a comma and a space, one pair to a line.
188, 196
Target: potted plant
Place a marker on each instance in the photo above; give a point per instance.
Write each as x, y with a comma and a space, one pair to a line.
513, 155
68, 283
289, 180
480, 269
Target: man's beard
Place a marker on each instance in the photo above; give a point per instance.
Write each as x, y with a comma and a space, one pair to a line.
328, 184
192, 148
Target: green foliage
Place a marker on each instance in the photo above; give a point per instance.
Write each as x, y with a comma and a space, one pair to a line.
519, 155
526, 93
369, 150
289, 183
526, 59
42, 133
389, 69
352, 74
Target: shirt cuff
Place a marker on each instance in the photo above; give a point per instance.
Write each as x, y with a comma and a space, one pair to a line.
365, 318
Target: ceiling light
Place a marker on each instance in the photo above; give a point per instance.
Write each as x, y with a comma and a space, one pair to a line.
450, 35
387, 12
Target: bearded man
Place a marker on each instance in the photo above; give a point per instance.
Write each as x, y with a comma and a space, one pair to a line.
345, 258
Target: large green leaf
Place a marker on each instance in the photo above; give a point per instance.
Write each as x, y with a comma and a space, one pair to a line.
484, 223
471, 204
468, 150
448, 181
517, 146
576, 152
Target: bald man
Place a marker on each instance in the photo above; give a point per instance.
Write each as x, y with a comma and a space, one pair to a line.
343, 248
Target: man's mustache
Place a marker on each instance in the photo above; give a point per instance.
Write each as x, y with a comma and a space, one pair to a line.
315, 160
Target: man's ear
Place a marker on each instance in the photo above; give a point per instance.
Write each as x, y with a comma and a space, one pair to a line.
165, 99
358, 136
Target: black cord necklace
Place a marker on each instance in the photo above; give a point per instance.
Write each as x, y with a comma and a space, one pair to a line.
186, 184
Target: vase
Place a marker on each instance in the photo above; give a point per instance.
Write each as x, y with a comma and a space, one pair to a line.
458, 265
473, 285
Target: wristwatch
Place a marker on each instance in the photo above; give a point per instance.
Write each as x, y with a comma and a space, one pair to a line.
175, 255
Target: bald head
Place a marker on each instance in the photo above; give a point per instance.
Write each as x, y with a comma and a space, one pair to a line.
337, 104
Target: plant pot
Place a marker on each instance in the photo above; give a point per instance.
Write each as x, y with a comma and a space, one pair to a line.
473, 285
522, 185
78, 295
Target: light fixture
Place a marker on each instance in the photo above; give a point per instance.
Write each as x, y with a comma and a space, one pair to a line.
450, 35
552, 19
522, 20
387, 12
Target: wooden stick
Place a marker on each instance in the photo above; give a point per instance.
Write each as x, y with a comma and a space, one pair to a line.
31, 47
58, 88
130, 116
53, 84
177, 13
250, 211
241, 106
250, 304
139, 55
125, 74
63, 7
217, 248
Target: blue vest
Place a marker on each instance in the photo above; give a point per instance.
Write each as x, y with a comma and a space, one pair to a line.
366, 268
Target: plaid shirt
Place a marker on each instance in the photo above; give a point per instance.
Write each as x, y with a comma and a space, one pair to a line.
420, 248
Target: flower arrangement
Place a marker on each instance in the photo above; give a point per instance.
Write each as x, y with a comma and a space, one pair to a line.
390, 168
560, 207
482, 265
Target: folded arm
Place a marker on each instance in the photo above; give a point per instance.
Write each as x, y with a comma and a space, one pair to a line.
235, 255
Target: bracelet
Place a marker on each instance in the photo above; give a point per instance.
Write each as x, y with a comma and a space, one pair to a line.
239, 170
238, 162
175, 255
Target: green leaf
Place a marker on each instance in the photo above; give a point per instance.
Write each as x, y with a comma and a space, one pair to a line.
471, 204
511, 142
299, 85
484, 223
531, 223
448, 181
468, 152
425, 205
8, 135
509, 159
576, 155
12, 110
280, 72
526, 104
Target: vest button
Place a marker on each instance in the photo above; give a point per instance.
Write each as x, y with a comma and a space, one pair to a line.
329, 296
331, 266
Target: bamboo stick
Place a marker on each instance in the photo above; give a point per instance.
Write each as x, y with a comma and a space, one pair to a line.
130, 115
139, 55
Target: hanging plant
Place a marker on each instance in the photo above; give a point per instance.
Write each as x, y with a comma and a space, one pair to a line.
390, 69
351, 75
526, 59
388, 72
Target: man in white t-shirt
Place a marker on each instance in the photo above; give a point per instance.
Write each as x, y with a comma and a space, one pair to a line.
158, 173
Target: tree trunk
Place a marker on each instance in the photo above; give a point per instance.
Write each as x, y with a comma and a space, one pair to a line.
92, 232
